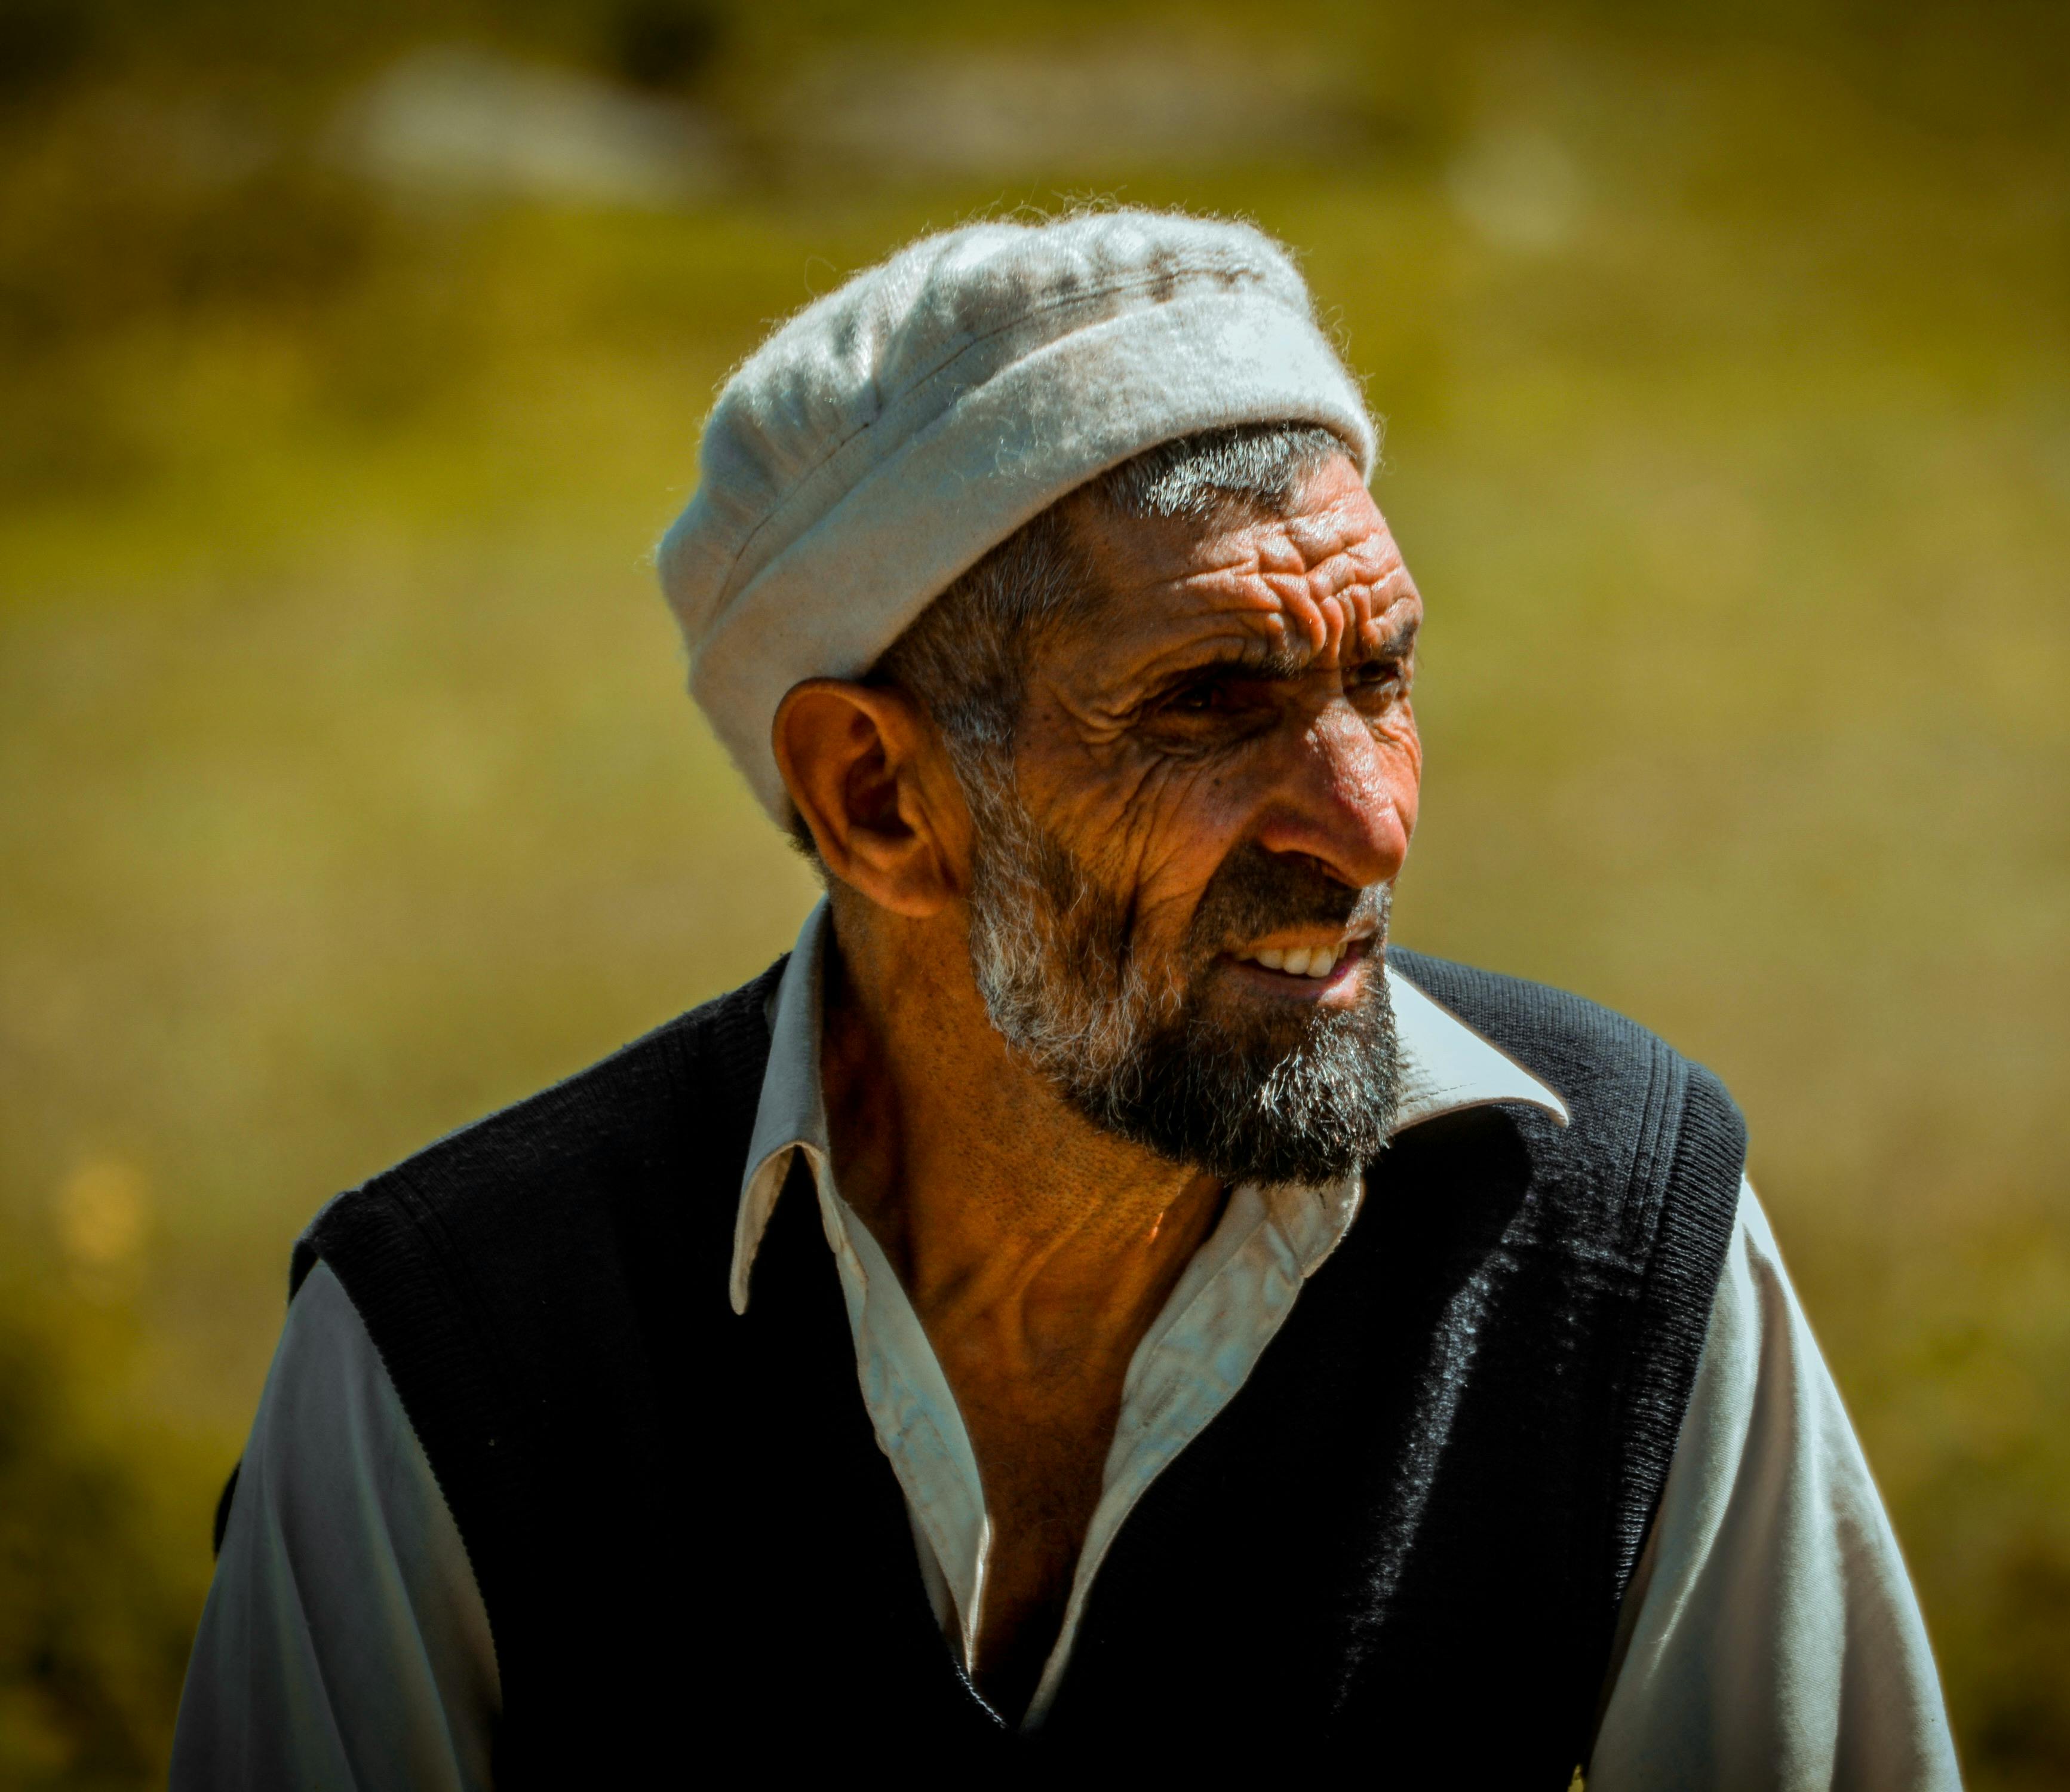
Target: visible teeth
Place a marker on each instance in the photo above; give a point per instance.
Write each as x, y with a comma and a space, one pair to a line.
1300, 961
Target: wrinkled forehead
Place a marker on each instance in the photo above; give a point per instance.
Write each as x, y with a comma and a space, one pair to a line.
1323, 583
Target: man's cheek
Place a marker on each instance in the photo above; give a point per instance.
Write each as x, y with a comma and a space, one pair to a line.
1175, 852
1134, 831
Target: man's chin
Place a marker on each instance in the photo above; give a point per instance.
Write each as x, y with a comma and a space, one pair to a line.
1253, 1091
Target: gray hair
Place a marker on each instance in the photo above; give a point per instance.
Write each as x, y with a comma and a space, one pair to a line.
965, 658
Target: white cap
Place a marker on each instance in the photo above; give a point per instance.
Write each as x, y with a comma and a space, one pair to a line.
893, 432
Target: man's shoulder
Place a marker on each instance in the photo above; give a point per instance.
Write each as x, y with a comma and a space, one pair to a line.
680, 1092
1497, 1003
1629, 1093
1539, 1024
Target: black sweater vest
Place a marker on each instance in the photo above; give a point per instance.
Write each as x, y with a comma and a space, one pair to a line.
1409, 1533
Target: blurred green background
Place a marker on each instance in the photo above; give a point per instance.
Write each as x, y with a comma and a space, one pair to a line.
350, 359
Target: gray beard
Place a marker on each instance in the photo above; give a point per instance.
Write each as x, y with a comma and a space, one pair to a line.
1172, 1054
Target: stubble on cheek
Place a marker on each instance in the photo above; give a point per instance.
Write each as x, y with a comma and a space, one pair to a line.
1149, 852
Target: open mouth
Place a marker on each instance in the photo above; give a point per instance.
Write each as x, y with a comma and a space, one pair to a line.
1312, 967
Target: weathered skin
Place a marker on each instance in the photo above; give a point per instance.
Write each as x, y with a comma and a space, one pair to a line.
1247, 684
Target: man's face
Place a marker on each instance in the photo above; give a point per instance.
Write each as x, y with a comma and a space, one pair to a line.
1180, 903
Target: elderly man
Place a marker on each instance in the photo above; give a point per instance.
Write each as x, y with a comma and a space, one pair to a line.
1095, 1303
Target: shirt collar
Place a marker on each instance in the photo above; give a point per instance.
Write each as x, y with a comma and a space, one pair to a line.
791, 1114
1444, 1066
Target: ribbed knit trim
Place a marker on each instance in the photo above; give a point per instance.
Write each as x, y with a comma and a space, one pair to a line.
738, 1044
1693, 1194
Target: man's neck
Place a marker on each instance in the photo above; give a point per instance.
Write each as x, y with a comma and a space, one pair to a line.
1038, 1251
986, 1189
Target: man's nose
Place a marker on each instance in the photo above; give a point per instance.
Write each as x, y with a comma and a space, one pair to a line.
1345, 800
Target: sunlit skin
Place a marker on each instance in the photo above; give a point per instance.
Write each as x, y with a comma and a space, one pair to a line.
1246, 683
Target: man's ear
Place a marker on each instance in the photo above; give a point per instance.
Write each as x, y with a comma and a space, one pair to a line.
872, 779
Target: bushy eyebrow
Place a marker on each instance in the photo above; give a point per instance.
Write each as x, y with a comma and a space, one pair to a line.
1273, 664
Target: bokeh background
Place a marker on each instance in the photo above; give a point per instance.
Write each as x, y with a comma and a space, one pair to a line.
351, 357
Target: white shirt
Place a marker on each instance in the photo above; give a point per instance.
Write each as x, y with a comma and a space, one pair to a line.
1770, 1637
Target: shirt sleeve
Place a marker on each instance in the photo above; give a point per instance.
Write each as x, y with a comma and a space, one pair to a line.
345, 1646
1775, 1641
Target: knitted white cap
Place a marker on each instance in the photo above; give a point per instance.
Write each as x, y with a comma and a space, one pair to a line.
892, 433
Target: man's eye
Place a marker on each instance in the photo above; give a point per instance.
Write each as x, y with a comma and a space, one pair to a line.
1199, 699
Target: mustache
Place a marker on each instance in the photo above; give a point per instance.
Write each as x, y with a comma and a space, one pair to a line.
1254, 891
